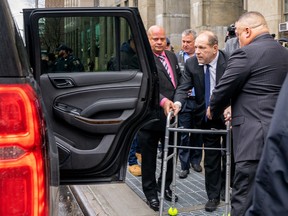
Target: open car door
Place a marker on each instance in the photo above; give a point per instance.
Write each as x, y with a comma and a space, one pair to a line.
96, 95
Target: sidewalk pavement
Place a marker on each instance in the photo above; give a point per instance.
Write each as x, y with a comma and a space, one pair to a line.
191, 193
119, 199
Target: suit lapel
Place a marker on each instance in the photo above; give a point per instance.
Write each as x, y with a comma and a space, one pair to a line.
221, 65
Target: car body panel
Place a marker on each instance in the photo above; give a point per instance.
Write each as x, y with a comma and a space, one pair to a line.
15, 70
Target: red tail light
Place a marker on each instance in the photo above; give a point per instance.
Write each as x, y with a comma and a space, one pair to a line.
22, 171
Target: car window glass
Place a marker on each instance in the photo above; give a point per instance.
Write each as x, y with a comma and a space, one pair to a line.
82, 44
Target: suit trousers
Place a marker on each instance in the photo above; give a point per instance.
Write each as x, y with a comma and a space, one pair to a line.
186, 119
243, 186
148, 140
212, 159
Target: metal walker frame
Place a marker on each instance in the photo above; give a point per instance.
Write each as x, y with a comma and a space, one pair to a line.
172, 127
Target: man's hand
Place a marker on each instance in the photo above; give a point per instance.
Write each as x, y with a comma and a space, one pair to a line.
208, 113
177, 108
168, 106
227, 114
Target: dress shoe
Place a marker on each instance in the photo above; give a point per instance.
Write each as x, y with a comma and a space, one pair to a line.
211, 205
135, 170
168, 195
183, 174
153, 203
197, 167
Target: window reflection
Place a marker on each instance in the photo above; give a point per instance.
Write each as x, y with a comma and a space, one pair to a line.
77, 44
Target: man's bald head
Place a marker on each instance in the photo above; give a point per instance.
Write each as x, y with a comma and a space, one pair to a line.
249, 26
157, 38
253, 19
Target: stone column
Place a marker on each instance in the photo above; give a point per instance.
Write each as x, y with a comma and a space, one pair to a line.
147, 12
174, 16
273, 13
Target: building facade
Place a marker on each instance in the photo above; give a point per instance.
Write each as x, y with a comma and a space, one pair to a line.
176, 16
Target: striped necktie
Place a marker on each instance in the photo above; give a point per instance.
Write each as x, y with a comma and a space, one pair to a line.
162, 59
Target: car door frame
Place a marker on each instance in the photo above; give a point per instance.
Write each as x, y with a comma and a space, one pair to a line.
149, 98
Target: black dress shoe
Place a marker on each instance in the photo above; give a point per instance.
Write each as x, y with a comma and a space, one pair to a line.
183, 174
197, 167
168, 195
211, 205
153, 203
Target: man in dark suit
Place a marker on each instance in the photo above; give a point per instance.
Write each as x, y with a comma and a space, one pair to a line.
149, 136
251, 83
203, 72
271, 191
186, 116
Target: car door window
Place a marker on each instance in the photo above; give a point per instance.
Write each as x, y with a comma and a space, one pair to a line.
82, 44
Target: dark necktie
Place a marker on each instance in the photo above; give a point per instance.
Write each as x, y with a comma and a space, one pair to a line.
207, 86
162, 59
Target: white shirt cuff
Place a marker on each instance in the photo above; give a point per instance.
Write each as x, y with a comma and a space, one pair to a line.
178, 103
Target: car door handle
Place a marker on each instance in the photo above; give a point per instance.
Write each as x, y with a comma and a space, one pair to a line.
63, 83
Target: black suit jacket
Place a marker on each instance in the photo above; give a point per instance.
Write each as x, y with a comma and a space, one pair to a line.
271, 191
194, 77
251, 82
166, 88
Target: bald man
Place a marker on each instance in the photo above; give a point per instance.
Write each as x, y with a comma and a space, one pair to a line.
149, 136
251, 82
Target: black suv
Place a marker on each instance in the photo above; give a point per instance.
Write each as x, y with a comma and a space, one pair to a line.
78, 122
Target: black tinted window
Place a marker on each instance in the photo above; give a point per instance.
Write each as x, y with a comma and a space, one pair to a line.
76, 44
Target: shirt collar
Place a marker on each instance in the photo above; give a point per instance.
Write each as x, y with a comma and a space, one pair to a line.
162, 54
213, 63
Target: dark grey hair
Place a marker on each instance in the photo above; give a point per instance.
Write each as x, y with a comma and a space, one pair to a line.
189, 32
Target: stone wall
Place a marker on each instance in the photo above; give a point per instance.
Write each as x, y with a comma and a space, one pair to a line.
273, 12
178, 15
